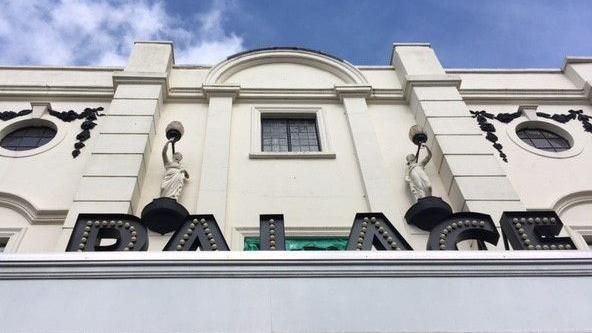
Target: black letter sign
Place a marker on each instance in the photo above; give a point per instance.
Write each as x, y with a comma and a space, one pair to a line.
271, 232
126, 232
534, 231
198, 231
374, 229
458, 227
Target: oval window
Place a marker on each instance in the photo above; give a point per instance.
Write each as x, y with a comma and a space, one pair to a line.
28, 138
543, 139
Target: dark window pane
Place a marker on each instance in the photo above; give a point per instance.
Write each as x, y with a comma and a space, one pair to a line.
30, 141
282, 135
303, 135
544, 140
274, 135
541, 143
559, 143
534, 134
27, 138
548, 134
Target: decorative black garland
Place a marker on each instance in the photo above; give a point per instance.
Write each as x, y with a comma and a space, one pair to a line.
506, 118
571, 115
488, 127
89, 114
7, 115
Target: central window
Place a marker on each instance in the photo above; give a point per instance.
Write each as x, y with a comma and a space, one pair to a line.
303, 244
289, 135
289, 132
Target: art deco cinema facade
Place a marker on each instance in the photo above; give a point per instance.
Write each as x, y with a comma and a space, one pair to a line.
406, 170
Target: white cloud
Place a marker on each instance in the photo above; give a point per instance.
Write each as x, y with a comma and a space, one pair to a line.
71, 32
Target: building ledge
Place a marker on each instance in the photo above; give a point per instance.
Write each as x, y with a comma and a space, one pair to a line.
285, 264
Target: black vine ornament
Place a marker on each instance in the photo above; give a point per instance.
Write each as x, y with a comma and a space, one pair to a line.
7, 115
89, 114
571, 115
482, 118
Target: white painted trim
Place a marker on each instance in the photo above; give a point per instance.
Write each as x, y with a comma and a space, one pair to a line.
503, 70
38, 91
576, 60
221, 90
257, 112
33, 214
190, 66
412, 44
572, 199
376, 67
304, 155
63, 68
15, 236
342, 69
295, 264
523, 96
578, 234
574, 138
432, 80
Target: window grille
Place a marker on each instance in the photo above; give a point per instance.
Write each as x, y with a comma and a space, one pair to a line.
289, 135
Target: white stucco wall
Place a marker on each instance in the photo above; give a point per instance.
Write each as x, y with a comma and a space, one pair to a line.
554, 178
55, 168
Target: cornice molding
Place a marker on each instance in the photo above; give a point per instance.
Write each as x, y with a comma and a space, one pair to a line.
221, 90
575, 60
285, 264
346, 91
503, 70
140, 78
524, 95
35, 91
62, 68
588, 90
436, 80
269, 94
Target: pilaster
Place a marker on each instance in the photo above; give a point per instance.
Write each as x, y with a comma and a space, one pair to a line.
380, 196
113, 176
213, 185
470, 172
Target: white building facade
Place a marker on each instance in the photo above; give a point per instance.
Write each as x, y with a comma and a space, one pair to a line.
312, 140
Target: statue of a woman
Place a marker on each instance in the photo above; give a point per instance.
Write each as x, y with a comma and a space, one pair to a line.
415, 175
175, 175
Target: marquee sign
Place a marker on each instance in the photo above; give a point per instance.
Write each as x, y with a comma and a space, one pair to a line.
523, 230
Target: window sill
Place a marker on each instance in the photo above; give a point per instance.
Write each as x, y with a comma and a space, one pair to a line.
292, 155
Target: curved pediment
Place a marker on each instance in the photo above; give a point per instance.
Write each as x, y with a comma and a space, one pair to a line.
284, 68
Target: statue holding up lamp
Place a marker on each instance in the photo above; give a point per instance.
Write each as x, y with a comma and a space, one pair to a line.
419, 182
175, 176
166, 214
428, 210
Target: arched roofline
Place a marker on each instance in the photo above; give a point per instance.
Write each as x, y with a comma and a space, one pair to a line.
241, 61
29, 211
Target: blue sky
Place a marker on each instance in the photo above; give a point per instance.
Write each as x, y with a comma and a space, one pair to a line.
465, 34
